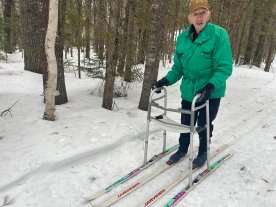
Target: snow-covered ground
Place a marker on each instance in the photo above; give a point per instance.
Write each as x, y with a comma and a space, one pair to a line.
60, 163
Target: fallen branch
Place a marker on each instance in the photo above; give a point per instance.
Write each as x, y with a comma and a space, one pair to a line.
8, 111
7, 201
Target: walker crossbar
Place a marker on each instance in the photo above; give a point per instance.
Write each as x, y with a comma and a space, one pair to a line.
154, 104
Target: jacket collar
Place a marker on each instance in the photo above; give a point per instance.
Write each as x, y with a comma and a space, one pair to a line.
203, 36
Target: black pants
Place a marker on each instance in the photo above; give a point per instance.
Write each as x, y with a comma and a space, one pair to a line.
200, 119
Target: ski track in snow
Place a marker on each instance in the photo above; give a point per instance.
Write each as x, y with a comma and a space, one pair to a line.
69, 162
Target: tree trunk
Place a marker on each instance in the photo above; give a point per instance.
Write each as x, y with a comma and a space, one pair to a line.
8, 44
88, 10
238, 42
266, 25
100, 27
220, 12
112, 54
34, 50
71, 52
272, 40
62, 97
271, 53
171, 34
215, 5
142, 44
154, 51
259, 53
123, 42
79, 33
237, 21
130, 42
254, 32
34, 17
79, 67
50, 40
66, 51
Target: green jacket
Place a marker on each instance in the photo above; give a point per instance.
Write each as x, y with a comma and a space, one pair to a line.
206, 60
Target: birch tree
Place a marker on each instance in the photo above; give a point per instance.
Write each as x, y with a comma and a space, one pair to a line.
50, 41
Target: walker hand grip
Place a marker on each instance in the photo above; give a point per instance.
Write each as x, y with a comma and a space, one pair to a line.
157, 90
196, 98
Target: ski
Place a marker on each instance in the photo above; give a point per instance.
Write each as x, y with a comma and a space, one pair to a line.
139, 183
153, 198
197, 180
132, 174
134, 186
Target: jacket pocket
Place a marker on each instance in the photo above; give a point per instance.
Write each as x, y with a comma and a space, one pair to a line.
206, 51
182, 58
206, 54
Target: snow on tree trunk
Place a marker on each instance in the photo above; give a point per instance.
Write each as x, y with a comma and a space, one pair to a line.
50, 40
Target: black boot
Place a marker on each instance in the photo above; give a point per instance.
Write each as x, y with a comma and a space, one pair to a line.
174, 158
200, 160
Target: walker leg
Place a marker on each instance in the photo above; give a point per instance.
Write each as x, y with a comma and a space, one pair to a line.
164, 140
208, 133
146, 143
191, 150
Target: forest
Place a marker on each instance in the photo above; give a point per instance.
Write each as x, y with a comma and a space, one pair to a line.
111, 39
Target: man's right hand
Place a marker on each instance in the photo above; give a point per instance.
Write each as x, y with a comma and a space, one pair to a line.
158, 84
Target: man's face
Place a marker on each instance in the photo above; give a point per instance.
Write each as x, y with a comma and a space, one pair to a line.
199, 18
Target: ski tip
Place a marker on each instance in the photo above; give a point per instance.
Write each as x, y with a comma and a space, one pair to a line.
86, 201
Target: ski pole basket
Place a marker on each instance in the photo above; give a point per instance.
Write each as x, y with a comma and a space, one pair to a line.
158, 102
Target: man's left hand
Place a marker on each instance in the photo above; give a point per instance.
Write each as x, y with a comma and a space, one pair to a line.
205, 92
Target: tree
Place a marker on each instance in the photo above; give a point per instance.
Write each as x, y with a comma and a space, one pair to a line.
88, 10
254, 31
154, 50
1, 35
123, 39
271, 40
100, 27
34, 19
61, 98
130, 45
50, 41
8, 44
112, 52
79, 32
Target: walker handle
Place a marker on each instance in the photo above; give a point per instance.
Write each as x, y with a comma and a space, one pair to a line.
158, 90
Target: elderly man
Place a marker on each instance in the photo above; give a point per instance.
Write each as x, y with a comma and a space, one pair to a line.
203, 62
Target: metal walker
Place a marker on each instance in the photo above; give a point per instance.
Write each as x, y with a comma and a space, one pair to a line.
165, 123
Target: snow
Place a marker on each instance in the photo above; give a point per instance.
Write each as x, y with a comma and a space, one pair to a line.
61, 163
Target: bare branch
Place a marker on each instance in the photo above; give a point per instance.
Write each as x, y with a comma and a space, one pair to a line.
8, 111
7, 201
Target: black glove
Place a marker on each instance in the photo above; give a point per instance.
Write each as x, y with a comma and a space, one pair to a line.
158, 84
205, 92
